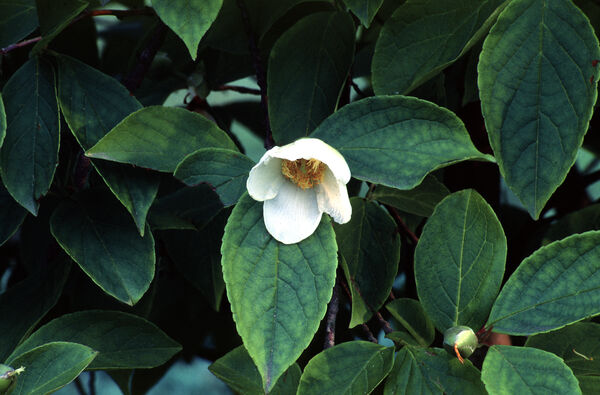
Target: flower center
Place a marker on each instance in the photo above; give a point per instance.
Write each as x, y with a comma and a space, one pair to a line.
305, 173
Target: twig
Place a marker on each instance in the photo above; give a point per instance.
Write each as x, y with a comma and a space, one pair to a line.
136, 76
387, 328
401, 225
360, 92
19, 45
239, 89
369, 334
261, 75
332, 311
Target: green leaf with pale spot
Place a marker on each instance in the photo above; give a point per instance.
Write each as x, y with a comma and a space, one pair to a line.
459, 261
159, 138
237, 369
425, 371
557, 285
397, 140
370, 247
278, 292
18, 18
511, 370
98, 234
365, 10
92, 104
421, 200
29, 154
423, 37
578, 345
355, 367
538, 86
308, 67
50, 367
225, 170
123, 341
189, 19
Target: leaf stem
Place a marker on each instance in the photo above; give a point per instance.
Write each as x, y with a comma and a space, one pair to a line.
401, 224
261, 75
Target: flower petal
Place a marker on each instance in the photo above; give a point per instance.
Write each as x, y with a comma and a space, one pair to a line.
309, 148
293, 214
332, 198
265, 178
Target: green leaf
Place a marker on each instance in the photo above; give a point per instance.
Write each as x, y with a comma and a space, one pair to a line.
54, 16
459, 261
365, 10
411, 315
424, 37
190, 19
159, 138
123, 341
18, 18
200, 264
524, 370
237, 369
397, 140
370, 246
99, 235
537, 84
308, 66
576, 344
555, 286
588, 218
589, 384
421, 200
12, 215
355, 367
2, 120
278, 292
226, 170
50, 367
29, 155
26, 303
92, 104
432, 371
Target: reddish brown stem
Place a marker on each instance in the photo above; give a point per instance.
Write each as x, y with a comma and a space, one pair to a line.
19, 45
239, 89
401, 225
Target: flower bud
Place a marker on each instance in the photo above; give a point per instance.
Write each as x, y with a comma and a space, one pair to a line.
8, 378
460, 340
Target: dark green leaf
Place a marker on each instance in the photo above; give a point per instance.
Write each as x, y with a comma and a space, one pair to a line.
420, 200
197, 255
307, 69
432, 371
18, 18
159, 138
12, 215
54, 16
92, 104
27, 302
278, 292
29, 155
365, 10
370, 247
555, 286
459, 261
410, 314
190, 19
2, 121
589, 384
397, 140
355, 367
423, 37
578, 345
99, 235
537, 85
588, 218
524, 370
226, 170
237, 369
50, 367
123, 341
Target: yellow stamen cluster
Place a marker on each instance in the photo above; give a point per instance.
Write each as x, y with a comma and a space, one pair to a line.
306, 173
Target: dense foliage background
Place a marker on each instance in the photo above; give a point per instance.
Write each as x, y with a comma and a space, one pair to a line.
132, 256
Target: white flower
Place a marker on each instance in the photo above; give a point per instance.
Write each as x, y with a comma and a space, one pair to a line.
298, 183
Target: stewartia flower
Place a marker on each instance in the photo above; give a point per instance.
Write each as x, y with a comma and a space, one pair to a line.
298, 183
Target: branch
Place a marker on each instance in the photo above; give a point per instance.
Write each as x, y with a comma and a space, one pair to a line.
261, 75
401, 225
19, 45
332, 311
136, 76
239, 89
357, 89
